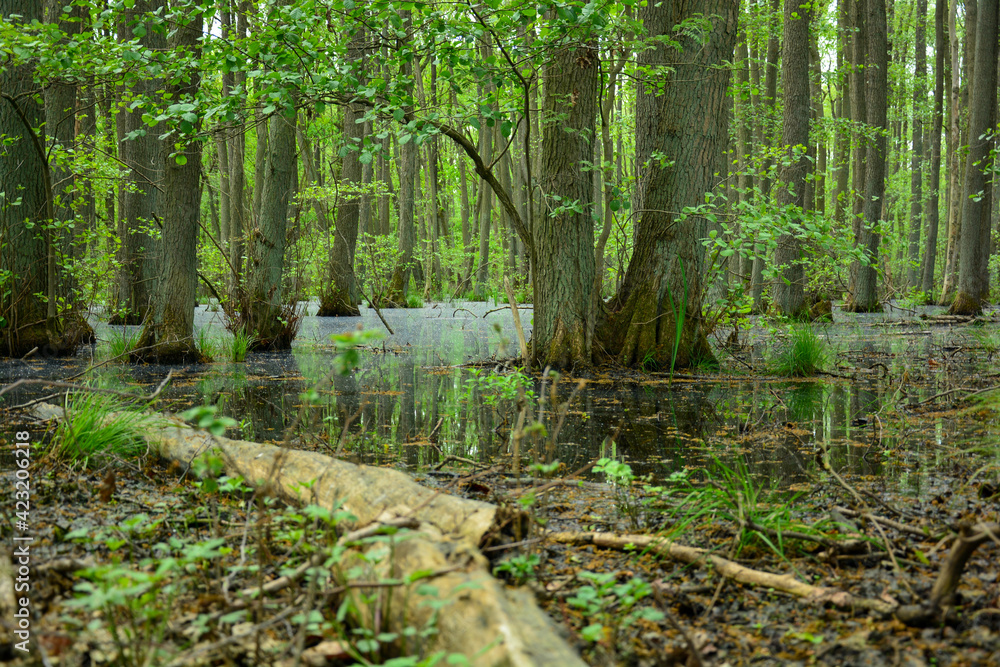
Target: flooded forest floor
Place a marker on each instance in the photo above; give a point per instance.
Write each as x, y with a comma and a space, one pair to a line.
860, 484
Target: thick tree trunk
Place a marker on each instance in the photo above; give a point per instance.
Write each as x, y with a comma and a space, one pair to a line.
763, 136
340, 297
974, 276
265, 312
24, 175
169, 336
931, 236
876, 83
789, 288
563, 239
656, 315
913, 277
141, 151
238, 213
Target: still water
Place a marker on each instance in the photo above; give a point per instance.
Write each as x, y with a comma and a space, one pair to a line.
428, 391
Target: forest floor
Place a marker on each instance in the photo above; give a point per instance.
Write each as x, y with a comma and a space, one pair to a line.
882, 538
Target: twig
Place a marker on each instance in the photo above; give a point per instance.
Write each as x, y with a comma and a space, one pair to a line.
83, 387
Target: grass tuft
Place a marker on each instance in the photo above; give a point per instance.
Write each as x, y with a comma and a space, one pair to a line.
97, 427
803, 355
240, 344
122, 341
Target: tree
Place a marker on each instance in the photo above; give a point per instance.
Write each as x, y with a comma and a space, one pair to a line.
141, 152
263, 311
563, 239
340, 296
871, 14
656, 315
931, 237
913, 276
974, 277
795, 75
168, 336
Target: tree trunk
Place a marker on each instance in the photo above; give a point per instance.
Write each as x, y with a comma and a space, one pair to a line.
656, 316
141, 151
763, 140
60, 130
563, 240
407, 181
484, 214
959, 96
340, 297
742, 114
169, 335
913, 276
931, 237
265, 309
789, 288
237, 176
974, 276
23, 174
842, 140
876, 83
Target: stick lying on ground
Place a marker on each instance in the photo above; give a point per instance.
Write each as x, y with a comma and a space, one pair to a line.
941, 594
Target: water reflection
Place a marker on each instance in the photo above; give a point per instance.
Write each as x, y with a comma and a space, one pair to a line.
411, 403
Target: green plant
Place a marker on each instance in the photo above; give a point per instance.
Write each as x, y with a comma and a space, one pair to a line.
413, 300
96, 426
612, 606
520, 567
241, 342
620, 477
495, 387
802, 355
122, 341
207, 344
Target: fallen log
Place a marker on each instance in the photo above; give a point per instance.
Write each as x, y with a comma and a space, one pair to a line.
485, 621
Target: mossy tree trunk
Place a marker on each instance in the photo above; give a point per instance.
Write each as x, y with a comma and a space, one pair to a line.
974, 255
656, 315
168, 336
22, 176
340, 296
267, 315
141, 152
563, 238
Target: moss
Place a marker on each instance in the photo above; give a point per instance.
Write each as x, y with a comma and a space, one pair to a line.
965, 304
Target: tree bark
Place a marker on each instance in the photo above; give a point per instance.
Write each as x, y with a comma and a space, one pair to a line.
141, 151
407, 181
842, 137
169, 335
913, 277
789, 288
265, 306
562, 253
876, 83
974, 276
931, 236
341, 295
656, 315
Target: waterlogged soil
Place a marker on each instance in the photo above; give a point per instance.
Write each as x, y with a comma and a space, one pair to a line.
890, 415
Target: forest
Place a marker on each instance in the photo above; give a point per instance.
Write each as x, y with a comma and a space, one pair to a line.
498, 332
637, 172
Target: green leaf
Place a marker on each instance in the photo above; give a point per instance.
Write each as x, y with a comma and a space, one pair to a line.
181, 160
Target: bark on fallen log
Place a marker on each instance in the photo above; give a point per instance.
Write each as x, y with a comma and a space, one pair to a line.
481, 611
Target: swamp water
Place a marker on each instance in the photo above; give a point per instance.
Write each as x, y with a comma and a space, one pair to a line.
417, 397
